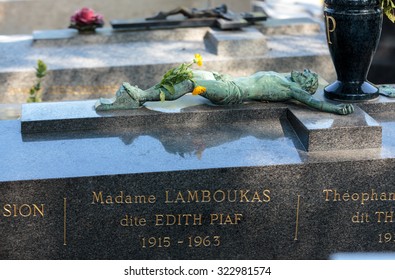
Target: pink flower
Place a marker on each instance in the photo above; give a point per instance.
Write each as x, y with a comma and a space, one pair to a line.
86, 16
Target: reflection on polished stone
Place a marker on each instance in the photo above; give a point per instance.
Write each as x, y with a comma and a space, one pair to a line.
10, 111
140, 150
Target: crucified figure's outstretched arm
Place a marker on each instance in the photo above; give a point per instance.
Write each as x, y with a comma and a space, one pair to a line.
324, 106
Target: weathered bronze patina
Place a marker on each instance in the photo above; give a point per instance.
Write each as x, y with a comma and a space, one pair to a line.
226, 90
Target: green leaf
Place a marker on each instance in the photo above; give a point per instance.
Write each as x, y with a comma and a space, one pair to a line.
388, 9
175, 76
390, 14
168, 73
170, 89
34, 92
37, 87
162, 96
41, 69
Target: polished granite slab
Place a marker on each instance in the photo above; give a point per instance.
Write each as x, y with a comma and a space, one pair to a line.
166, 136
56, 172
238, 177
139, 150
81, 115
317, 131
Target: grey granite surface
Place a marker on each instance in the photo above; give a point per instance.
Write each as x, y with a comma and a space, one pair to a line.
323, 132
317, 131
146, 165
307, 205
289, 26
10, 111
69, 37
108, 137
160, 149
297, 223
81, 115
90, 70
245, 42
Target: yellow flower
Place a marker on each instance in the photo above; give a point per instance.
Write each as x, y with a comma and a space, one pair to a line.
198, 90
198, 59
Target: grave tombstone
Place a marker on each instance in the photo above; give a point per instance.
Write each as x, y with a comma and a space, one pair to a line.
186, 179
189, 180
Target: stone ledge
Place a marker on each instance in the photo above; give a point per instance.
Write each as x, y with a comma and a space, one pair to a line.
81, 115
68, 36
382, 104
291, 26
62, 37
324, 132
245, 42
317, 131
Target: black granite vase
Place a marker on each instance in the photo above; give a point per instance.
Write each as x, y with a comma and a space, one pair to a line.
353, 29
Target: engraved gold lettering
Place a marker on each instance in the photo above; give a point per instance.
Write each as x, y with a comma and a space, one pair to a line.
355, 197
387, 237
266, 194
197, 220
360, 218
326, 191
217, 241
109, 199
385, 217
151, 199
178, 219
39, 210
213, 218
225, 219
256, 197
180, 198
330, 21
128, 199
121, 198
193, 196
365, 197
243, 196
234, 196
140, 199
172, 219
159, 219
206, 196
129, 221
203, 241
23, 210
361, 197
218, 196
167, 200
7, 208
97, 198
154, 242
